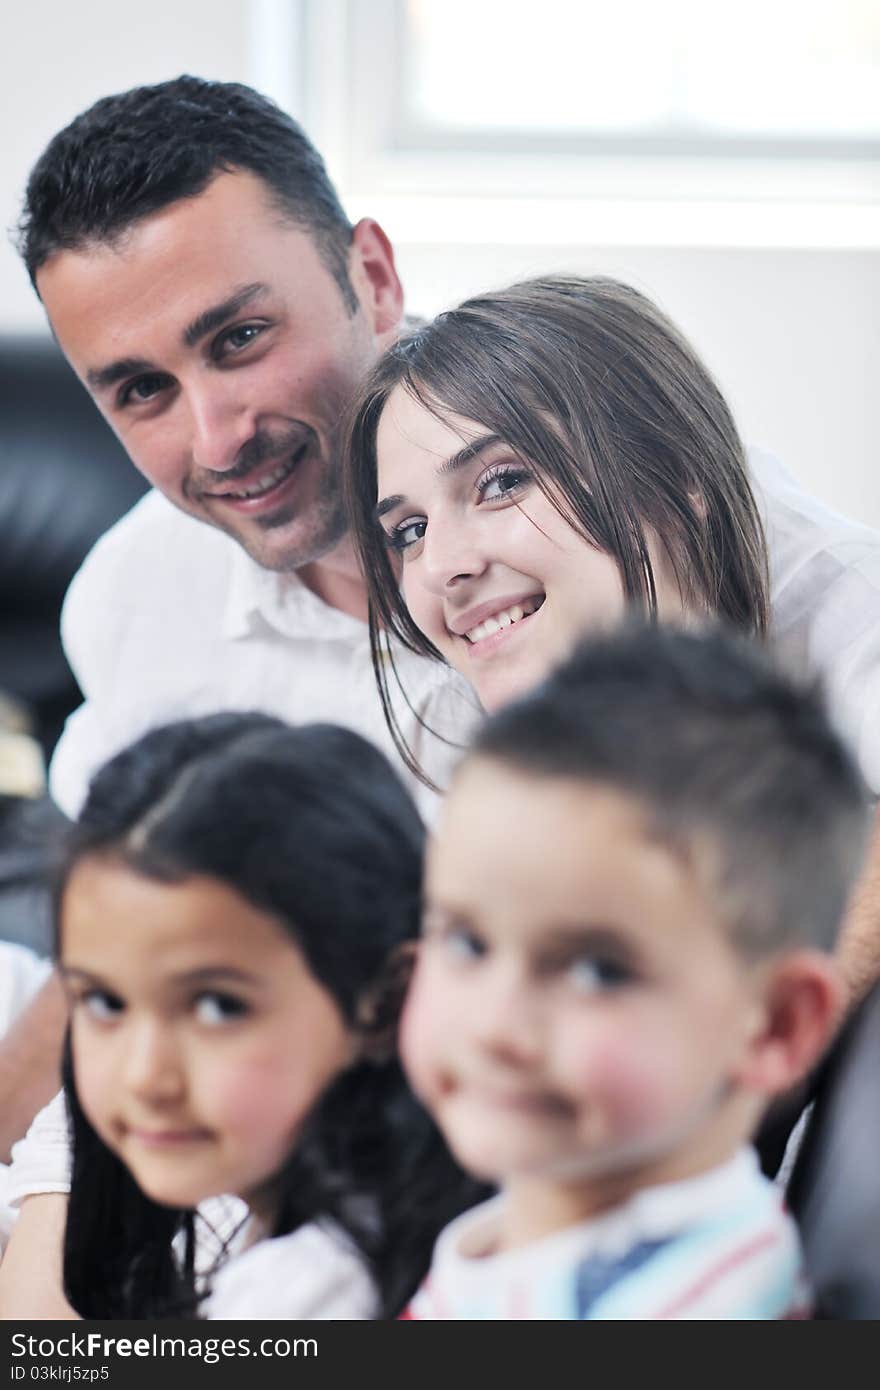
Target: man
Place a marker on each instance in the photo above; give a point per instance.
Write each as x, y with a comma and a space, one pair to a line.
201, 277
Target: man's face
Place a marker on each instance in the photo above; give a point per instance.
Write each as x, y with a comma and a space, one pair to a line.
219, 347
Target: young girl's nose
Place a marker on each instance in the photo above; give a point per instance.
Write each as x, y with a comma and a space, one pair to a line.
153, 1068
451, 553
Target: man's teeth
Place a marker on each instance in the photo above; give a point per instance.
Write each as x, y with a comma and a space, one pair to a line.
502, 619
266, 484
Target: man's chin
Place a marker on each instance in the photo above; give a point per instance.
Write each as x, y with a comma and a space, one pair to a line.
287, 544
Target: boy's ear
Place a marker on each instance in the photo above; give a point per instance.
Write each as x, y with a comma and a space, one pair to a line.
380, 1006
803, 1003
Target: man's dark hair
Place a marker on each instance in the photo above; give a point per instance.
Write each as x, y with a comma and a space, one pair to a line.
736, 765
132, 154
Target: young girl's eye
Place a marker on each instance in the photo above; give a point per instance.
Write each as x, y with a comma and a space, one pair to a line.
406, 534
215, 1008
100, 1005
502, 481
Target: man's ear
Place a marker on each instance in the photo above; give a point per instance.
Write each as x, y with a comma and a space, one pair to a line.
803, 1003
375, 279
379, 1007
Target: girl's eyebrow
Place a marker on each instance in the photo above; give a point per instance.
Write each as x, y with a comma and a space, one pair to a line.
450, 465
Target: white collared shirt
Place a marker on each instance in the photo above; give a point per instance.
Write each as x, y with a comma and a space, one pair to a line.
169, 618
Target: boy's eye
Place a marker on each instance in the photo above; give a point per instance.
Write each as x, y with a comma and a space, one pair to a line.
591, 973
461, 945
100, 1005
406, 534
214, 1007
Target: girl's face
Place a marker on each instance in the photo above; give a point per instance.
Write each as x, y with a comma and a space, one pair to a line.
201, 1039
493, 574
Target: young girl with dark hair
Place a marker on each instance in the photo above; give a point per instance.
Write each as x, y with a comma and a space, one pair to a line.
533, 461
233, 916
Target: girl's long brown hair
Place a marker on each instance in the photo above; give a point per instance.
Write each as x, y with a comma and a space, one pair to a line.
624, 427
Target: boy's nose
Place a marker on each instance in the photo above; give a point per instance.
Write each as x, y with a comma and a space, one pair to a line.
507, 1026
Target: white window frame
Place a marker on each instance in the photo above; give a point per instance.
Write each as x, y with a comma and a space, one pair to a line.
330, 63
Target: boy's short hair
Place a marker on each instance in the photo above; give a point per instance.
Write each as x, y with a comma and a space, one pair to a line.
736, 765
134, 153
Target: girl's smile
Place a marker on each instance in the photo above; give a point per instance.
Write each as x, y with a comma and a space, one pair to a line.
492, 572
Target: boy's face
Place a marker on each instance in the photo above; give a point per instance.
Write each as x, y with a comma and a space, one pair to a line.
577, 1015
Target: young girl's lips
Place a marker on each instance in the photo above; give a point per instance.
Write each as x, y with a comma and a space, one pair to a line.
487, 647
168, 1138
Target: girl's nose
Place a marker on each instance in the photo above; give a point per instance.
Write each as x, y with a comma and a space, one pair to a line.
153, 1069
451, 554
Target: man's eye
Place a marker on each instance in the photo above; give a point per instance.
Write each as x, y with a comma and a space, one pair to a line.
406, 534
241, 336
143, 388
215, 1008
99, 1005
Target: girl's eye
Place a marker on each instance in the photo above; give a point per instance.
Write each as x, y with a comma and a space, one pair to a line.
503, 481
215, 1008
142, 389
406, 534
99, 1005
589, 974
239, 337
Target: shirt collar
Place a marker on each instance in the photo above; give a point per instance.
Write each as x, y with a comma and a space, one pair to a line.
258, 596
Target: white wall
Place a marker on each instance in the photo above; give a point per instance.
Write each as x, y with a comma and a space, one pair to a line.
793, 336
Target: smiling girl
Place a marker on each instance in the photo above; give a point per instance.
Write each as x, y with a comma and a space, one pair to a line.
230, 918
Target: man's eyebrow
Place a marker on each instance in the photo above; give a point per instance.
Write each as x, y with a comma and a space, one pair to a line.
218, 314
450, 465
100, 378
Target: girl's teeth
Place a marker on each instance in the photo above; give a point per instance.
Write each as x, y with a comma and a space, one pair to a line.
496, 623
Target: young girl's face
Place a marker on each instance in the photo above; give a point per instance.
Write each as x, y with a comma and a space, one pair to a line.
578, 1018
493, 574
201, 1039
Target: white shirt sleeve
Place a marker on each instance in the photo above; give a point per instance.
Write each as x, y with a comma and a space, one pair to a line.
22, 972
825, 600
314, 1272
41, 1160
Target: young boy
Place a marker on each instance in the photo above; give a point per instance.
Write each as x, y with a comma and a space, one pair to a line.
631, 898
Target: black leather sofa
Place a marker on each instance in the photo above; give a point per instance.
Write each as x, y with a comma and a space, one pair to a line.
64, 479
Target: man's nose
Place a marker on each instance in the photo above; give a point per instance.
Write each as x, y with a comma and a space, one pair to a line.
221, 425
452, 553
153, 1067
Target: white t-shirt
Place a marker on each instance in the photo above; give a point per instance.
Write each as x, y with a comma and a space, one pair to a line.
716, 1246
